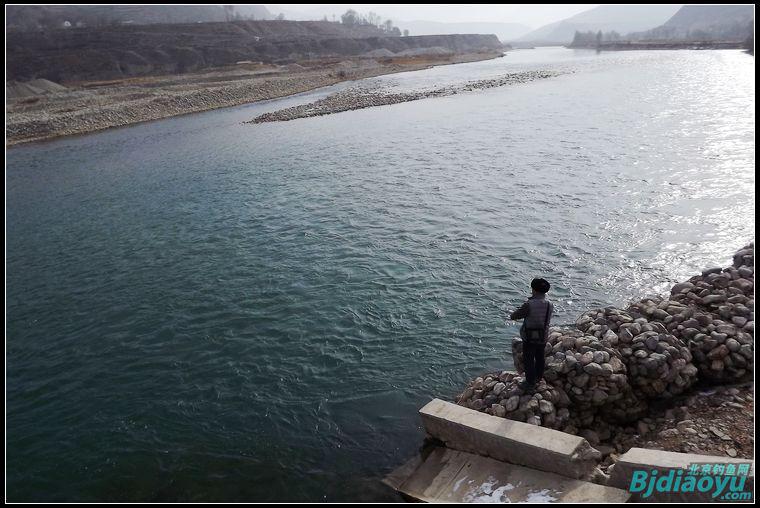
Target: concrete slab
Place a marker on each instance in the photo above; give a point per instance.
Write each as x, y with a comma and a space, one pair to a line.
641, 459
518, 443
453, 476
401, 474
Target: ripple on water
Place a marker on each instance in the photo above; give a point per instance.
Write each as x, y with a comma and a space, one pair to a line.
208, 311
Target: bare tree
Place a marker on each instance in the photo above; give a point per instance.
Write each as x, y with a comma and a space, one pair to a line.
374, 19
350, 17
229, 12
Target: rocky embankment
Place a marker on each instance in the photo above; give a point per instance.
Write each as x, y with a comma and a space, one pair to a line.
95, 106
672, 373
358, 98
81, 111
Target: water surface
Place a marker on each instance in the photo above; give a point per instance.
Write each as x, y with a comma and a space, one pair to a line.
204, 310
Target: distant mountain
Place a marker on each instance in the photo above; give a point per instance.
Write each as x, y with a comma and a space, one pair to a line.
504, 31
253, 11
620, 18
705, 22
36, 17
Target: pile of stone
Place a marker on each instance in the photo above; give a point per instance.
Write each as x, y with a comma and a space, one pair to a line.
601, 376
35, 87
728, 293
500, 394
604, 323
713, 314
584, 379
720, 350
586, 367
745, 256
659, 364
592, 374
723, 353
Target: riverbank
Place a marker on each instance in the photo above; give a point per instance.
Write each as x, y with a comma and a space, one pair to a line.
665, 45
672, 373
92, 106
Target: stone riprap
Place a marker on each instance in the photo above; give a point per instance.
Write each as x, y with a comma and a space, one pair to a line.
721, 350
605, 373
360, 98
714, 314
590, 371
658, 363
499, 394
91, 106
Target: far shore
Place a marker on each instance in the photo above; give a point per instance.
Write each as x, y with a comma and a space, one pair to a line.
93, 106
655, 45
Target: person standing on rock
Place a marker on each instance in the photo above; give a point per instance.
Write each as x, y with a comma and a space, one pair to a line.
536, 314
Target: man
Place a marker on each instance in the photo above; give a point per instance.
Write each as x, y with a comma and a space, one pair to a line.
537, 313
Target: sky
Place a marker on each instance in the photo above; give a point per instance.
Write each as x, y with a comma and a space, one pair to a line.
531, 15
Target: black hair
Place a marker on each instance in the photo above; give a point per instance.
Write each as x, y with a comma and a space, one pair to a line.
540, 285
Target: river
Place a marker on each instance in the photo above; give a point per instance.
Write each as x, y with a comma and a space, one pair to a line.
200, 309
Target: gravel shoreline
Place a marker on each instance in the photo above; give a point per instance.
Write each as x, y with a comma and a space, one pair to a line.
90, 107
357, 98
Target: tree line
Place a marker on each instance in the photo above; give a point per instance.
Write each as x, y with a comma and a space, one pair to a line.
353, 18
586, 39
735, 31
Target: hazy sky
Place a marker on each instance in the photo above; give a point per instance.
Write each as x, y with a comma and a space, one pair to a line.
527, 14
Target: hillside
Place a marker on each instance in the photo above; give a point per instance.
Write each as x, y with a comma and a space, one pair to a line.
619, 18
70, 55
705, 22
36, 17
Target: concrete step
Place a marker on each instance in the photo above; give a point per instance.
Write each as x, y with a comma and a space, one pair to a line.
452, 476
510, 441
642, 460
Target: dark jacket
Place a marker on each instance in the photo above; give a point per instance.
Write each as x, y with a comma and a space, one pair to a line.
534, 311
